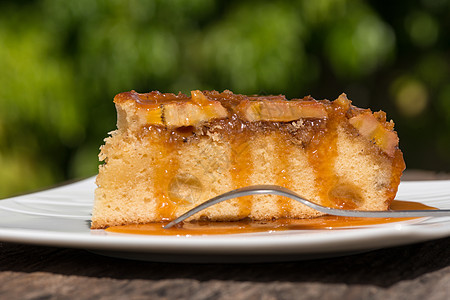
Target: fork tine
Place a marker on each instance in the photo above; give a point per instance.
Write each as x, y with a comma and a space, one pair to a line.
282, 191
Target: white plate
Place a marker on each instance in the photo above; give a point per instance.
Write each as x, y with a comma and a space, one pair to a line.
61, 217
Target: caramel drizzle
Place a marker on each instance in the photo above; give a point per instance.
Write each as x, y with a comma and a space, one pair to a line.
165, 171
322, 153
241, 169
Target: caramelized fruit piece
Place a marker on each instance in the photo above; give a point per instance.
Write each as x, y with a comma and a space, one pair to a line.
280, 111
369, 127
185, 190
343, 101
192, 114
154, 116
345, 195
200, 98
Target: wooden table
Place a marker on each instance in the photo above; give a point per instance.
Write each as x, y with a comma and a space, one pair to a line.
418, 271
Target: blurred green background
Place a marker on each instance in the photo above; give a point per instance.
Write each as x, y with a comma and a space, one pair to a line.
62, 62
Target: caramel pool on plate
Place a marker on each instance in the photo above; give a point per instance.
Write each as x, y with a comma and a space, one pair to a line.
248, 226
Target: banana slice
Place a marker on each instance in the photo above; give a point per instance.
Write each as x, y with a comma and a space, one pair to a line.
369, 127
279, 110
194, 112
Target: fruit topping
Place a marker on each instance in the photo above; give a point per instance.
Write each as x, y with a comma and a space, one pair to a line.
369, 127
279, 110
190, 113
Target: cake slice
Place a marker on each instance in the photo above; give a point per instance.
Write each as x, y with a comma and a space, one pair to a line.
172, 152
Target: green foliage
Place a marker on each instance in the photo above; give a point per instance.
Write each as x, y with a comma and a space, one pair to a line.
62, 62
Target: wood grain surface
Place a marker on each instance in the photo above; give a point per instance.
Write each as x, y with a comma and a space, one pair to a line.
418, 271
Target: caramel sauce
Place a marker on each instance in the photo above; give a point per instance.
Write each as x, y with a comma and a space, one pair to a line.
165, 171
241, 169
247, 226
322, 152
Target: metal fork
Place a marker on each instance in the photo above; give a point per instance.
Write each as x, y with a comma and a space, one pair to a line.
282, 191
